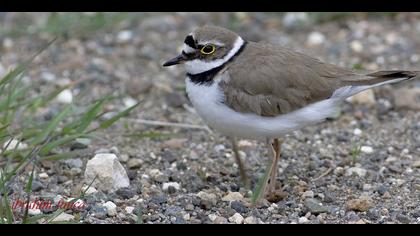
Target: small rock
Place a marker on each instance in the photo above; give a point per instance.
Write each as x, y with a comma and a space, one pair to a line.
366, 149
339, 171
89, 190
99, 212
125, 193
366, 97
386, 195
407, 98
314, 206
356, 46
220, 220
295, 19
303, 220
315, 39
416, 164
357, 132
124, 36
63, 217
111, 208
175, 185
129, 102
80, 143
110, 174
159, 199
175, 143
34, 212
43, 175
129, 209
65, 96
157, 175
219, 148
74, 163
308, 194
169, 156
356, 170
239, 207
189, 207
403, 218
47, 76
362, 204
251, 220
236, 218
123, 158
134, 163
208, 200
382, 189
36, 186
14, 144
367, 187
233, 196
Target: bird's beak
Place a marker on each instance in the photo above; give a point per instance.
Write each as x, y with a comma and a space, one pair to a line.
177, 60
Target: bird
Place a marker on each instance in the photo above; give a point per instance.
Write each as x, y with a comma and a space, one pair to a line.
263, 91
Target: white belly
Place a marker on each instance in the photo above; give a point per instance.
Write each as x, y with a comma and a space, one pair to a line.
208, 102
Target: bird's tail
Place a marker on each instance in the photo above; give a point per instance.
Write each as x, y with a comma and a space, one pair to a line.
356, 84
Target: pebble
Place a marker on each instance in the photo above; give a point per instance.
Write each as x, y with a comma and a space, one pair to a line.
303, 220
175, 143
134, 163
220, 220
124, 36
14, 144
126, 193
74, 163
63, 217
34, 212
315, 39
233, 196
308, 194
356, 46
123, 158
111, 208
208, 200
80, 143
416, 164
43, 175
36, 186
339, 171
166, 186
129, 102
403, 218
47, 76
169, 156
110, 174
160, 199
362, 204
236, 218
239, 207
251, 220
366, 97
366, 149
357, 132
99, 212
356, 170
219, 148
407, 98
89, 190
315, 206
157, 175
65, 96
129, 209
294, 19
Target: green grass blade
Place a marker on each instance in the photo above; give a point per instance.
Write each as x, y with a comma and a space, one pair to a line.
59, 142
28, 190
259, 189
113, 119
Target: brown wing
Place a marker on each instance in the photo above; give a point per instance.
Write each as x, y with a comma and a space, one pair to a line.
270, 80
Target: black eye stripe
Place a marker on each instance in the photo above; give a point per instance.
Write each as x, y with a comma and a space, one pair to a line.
189, 40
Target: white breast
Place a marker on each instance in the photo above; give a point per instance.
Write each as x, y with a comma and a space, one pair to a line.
208, 101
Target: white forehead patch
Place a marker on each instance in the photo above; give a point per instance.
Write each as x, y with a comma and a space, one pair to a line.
197, 66
215, 42
188, 49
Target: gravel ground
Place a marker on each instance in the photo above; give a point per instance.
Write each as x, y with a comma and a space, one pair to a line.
182, 175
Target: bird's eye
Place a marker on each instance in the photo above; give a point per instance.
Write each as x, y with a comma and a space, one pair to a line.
208, 49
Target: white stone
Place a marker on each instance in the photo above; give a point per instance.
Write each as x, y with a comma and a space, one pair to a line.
129, 102
308, 194
129, 209
416, 164
14, 144
8, 43
111, 208
357, 132
250, 220
303, 220
315, 38
166, 186
293, 19
124, 36
186, 216
43, 175
89, 191
47, 77
212, 217
34, 212
356, 170
123, 158
339, 171
366, 97
356, 46
233, 196
236, 218
65, 97
63, 217
366, 149
110, 174
157, 175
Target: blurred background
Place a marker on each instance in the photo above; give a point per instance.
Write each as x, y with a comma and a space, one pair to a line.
119, 56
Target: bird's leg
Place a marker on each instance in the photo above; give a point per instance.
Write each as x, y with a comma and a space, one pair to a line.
242, 172
276, 149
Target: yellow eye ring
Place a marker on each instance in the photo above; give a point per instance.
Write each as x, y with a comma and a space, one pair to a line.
208, 49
